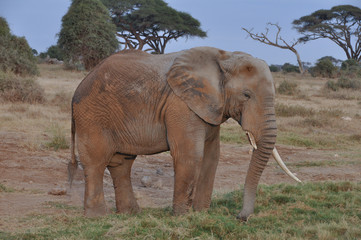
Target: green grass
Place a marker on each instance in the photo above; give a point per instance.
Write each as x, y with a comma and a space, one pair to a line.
6, 189
326, 210
233, 134
57, 138
319, 140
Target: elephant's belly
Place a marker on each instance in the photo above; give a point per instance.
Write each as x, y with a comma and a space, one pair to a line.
145, 140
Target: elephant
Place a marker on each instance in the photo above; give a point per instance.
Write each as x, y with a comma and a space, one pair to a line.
135, 103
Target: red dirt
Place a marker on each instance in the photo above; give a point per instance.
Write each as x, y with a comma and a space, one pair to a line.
32, 174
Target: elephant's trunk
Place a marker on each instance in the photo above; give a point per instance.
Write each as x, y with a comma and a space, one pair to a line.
265, 144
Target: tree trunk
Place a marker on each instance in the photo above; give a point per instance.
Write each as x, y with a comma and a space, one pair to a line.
302, 71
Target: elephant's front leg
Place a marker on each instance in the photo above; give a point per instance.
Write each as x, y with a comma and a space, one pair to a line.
202, 199
187, 161
186, 148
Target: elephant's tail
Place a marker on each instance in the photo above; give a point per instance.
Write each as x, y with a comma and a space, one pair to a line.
73, 163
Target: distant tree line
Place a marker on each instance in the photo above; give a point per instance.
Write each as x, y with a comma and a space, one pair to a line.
327, 67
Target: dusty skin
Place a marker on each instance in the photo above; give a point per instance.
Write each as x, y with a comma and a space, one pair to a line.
30, 170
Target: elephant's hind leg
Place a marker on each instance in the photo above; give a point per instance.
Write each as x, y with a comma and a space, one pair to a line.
94, 203
94, 154
120, 169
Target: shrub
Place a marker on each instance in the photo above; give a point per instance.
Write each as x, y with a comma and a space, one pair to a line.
274, 68
351, 68
16, 55
287, 68
53, 51
287, 88
18, 89
349, 63
344, 82
58, 140
324, 68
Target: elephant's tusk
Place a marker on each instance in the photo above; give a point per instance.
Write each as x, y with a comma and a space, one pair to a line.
251, 140
283, 166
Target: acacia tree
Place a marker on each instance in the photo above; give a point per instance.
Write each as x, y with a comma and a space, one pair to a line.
151, 23
278, 42
87, 33
341, 24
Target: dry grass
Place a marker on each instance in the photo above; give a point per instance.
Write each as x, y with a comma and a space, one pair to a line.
37, 120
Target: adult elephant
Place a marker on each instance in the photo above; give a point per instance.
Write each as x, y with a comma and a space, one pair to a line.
135, 103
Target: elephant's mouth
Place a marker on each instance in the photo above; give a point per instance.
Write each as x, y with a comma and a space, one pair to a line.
275, 155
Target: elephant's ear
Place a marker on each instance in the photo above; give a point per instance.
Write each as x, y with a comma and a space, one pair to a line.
196, 77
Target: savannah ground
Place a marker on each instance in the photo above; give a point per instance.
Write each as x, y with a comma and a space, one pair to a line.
319, 139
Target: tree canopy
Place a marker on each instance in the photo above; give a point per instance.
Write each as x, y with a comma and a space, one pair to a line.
15, 53
341, 24
151, 22
87, 34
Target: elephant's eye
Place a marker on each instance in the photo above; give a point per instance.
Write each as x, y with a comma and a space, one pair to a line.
247, 95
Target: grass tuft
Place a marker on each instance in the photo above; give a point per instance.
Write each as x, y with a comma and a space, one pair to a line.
57, 138
6, 189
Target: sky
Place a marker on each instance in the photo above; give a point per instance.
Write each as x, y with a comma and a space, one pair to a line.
39, 21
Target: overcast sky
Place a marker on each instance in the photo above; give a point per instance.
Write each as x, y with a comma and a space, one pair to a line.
40, 20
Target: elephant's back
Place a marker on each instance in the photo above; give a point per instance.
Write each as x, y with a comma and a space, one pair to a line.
126, 71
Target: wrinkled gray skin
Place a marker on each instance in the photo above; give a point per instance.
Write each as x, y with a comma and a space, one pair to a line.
134, 103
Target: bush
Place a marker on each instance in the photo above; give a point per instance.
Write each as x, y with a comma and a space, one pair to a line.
351, 68
274, 68
330, 84
15, 53
287, 88
53, 51
344, 82
287, 68
324, 68
349, 63
18, 89
58, 139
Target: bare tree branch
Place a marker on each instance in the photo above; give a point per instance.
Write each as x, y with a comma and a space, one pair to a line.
278, 41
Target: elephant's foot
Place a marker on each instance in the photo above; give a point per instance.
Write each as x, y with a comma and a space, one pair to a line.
131, 209
96, 211
245, 214
181, 209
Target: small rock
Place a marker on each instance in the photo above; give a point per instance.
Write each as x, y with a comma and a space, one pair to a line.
146, 181
346, 118
160, 172
57, 191
158, 184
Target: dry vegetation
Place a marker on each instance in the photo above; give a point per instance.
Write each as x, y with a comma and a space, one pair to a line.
50, 118
311, 119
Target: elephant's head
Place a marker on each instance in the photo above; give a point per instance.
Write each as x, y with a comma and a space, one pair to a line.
218, 85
